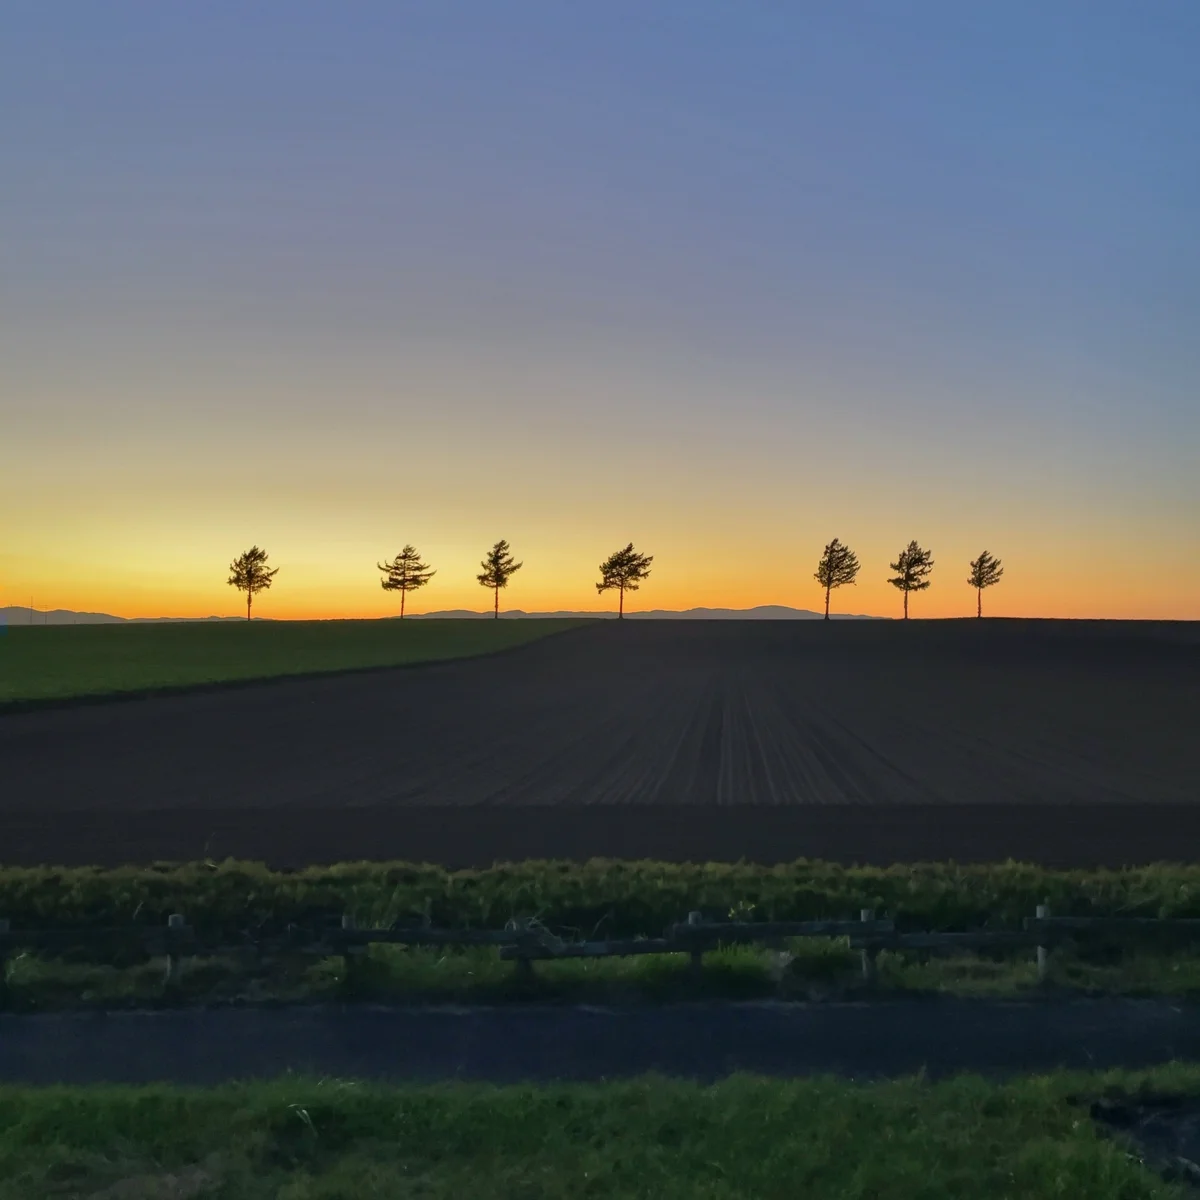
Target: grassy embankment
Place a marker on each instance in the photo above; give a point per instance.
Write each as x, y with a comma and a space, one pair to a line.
67, 662
305, 1139
593, 900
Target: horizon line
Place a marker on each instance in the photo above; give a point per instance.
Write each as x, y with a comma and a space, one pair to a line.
517, 613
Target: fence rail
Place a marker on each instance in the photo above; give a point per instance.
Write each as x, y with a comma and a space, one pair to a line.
525, 943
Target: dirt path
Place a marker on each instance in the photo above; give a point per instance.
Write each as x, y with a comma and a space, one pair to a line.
798, 716
704, 1041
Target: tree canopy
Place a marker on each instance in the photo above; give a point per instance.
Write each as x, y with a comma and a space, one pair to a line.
498, 568
248, 573
985, 571
624, 570
405, 573
838, 566
912, 567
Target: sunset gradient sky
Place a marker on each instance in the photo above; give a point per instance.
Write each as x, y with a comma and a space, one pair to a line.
726, 280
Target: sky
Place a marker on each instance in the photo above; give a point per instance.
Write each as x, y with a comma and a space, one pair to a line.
723, 280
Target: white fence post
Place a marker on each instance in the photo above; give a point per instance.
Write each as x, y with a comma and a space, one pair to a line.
1043, 952
697, 955
868, 956
175, 922
350, 956
5, 928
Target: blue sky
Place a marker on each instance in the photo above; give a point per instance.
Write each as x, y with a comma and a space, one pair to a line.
926, 267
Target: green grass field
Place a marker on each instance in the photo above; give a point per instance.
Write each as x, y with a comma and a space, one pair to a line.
71, 661
305, 1139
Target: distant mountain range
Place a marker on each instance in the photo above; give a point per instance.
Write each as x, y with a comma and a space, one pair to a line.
764, 612
63, 616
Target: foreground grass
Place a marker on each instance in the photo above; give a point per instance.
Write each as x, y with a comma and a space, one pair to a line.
809, 969
69, 661
305, 1139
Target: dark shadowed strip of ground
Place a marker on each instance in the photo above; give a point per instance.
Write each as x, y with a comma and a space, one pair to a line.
702, 1041
1062, 836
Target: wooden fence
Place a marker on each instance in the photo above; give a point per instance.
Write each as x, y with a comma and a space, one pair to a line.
525, 943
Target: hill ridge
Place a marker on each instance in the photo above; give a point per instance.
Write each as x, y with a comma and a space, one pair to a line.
19, 615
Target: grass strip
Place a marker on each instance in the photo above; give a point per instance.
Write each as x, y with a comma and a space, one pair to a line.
308, 1139
71, 662
809, 969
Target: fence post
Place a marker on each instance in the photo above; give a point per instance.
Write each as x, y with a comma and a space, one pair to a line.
522, 966
868, 955
350, 973
4, 929
175, 922
696, 965
1043, 952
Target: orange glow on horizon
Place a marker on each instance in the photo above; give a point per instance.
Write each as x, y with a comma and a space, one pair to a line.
151, 529
307, 600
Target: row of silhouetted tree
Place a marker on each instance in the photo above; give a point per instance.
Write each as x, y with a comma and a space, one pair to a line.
624, 570
913, 566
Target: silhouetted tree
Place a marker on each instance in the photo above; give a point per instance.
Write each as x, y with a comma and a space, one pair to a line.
985, 571
405, 573
498, 568
912, 570
624, 570
249, 574
838, 566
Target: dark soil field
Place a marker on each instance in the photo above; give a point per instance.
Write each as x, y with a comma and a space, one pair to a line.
1068, 743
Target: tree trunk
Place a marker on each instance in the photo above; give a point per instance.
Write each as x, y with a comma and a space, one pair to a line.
403, 593
621, 604
249, 597
496, 609
906, 606
827, 587
979, 602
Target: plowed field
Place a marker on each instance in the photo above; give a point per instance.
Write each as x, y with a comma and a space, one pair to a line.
664, 739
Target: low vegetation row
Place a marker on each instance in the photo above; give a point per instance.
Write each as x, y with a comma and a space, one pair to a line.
625, 570
139, 967
808, 971
587, 900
